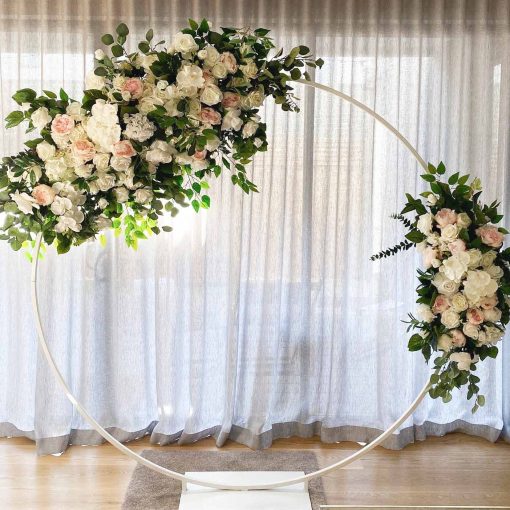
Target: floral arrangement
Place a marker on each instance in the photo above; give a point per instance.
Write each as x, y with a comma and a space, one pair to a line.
463, 303
151, 128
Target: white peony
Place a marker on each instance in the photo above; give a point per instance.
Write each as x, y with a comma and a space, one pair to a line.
456, 266
450, 319
190, 76
479, 284
41, 117
232, 120
25, 202
211, 95
424, 224
61, 205
45, 150
463, 360
184, 43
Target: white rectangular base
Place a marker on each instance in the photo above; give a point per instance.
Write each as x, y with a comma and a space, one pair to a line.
294, 497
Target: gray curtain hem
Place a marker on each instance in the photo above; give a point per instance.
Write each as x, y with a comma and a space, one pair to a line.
58, 444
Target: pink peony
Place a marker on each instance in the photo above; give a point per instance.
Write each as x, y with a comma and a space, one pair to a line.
490, 236
457, 246
231, 100
43, 194
210, 116
83, 149
458, 338
200, 155
134, 86
230, 61
488, 302
475, 316
445, 217
441, 304
123, 149
62, 125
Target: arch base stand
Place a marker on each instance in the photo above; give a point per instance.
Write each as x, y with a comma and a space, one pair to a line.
293, 497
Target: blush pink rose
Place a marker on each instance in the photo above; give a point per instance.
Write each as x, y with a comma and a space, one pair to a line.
134, 86
457, 246
123, 149
210, 116
441, 304
230, 61
83, 149
200, 155
458, 338
43, 194
445, 217
488, 302
231, 100
62, 124
490, 236
475, 316
208, 76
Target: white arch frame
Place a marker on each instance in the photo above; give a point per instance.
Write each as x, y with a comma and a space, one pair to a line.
179, 476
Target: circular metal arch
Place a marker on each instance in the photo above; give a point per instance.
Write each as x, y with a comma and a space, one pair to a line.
179, 476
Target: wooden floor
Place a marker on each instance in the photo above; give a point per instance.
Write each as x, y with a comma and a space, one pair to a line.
453, 470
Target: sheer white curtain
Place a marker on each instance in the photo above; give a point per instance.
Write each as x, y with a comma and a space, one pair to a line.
263, 317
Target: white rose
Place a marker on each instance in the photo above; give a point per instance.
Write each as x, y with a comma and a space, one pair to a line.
492, 314
211, 95
94, 82
425, 313
496, 272
104, 181
120, 164
101, 160
479, 284
184, 43
456, 266
209, 55
475, 257
463, 220
41, 117
493, 334
432, 199
488, 258
121, 194
250, 69
256, 97
99, 54
102, 203
459, 302
424, 224
232, 120
83, 170
219, 70
450, 319
463, 360
45, 150
449, 233
190, 76
249, 129
445, 343
143, 195
470, 330
445, 285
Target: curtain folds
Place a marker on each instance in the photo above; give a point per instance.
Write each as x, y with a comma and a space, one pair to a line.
263, 317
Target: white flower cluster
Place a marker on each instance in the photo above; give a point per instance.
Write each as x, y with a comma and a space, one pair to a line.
467, 281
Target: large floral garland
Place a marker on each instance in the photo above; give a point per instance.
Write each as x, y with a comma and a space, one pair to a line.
152, 126
463, 303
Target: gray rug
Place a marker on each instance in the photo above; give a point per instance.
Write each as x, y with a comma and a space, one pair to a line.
152, 491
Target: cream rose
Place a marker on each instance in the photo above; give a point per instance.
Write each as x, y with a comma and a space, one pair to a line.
479, 284
492, 314
232, 120
450, 319
445, 285
459, 302
475, 257
190, 76
143, 195
471, 330
463, 360
488, 258
496, 272
184, 43
445, 343
449, 233
211, 95
463, 220
219, 71
425, 313
121, 194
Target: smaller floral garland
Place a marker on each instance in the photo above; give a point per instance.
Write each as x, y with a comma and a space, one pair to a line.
153, 126
463, 303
